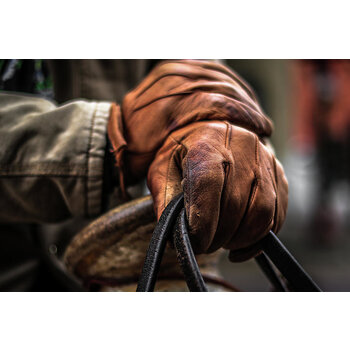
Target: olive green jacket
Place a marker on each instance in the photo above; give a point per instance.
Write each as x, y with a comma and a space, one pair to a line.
51, 158
54, 165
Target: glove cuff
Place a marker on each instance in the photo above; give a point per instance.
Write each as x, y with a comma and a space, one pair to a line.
115, 132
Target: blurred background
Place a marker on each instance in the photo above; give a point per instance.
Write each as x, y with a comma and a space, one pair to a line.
309, 102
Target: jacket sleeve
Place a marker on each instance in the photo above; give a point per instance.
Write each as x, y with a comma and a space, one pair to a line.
51, 158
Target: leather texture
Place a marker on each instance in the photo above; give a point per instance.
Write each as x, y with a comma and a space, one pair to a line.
235, 189
207, 127
173, 95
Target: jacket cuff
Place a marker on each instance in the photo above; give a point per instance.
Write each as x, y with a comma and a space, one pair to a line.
115, 131
95, 158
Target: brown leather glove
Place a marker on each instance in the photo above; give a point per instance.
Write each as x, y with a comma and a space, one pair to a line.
173, 95
235, 190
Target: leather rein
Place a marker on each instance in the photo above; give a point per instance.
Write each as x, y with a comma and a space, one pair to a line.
172, 225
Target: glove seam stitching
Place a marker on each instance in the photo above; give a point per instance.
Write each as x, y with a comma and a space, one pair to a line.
228, 134
168, 170
180, 144
256, 151
276, 191
251, 198
87, 161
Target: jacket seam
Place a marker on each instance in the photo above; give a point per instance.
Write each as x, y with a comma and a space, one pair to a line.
86, 186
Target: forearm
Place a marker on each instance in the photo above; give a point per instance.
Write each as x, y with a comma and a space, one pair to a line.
51, 158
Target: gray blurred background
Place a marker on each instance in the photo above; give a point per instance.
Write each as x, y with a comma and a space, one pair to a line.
308, 102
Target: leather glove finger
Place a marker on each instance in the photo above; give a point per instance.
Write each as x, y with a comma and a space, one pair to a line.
261, 209
228, 183
281, 190
200, 168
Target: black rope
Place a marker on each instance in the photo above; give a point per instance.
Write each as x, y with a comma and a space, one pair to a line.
186, 257
272, 247
157, 245
287, 264
265, 265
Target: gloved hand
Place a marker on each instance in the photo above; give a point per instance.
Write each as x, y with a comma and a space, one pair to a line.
235, 190
173, 95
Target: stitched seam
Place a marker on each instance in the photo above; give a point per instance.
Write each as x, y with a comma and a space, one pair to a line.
228, 134
256, 150
178, 142
273, 178
44, 169
226, 170
168, 171
45, 175
87, 161
276, 190
189, 188
255, 184
252, 198
275, 170
181, 145
253, 189
48, 162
